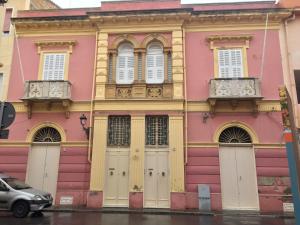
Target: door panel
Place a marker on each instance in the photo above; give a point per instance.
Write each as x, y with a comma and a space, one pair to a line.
36, 166
116, 192
111, 184
123, 180
246, 172
157, 188
51, 169
163, 192
229, 183
150, 191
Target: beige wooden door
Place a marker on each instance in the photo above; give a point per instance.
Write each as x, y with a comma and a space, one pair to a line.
116, 189
238, 178
157, 187
42, 167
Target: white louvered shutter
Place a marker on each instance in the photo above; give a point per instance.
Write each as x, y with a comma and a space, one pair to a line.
125, 65
54, 67
230, 63
155, 64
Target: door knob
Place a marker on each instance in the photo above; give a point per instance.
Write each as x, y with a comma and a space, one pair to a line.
124, 173
163, 174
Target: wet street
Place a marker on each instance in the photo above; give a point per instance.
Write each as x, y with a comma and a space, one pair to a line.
96, 218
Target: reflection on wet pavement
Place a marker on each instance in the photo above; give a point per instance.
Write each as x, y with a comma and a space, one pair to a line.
97, 218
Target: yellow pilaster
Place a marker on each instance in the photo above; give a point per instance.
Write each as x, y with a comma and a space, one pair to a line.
98, 157
101, 69
136, 181
177, 63
176, 153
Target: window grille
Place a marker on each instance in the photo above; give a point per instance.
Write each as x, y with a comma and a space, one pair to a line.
54, 66
118, 131
230, 63
47, 134
234, 135
157, 130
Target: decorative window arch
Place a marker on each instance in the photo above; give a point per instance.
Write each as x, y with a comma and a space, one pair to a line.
47, 134
244, 126
125, 64
235, 135
155, 63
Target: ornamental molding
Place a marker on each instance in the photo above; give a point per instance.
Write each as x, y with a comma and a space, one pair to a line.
229, 38
55, 43
221, 39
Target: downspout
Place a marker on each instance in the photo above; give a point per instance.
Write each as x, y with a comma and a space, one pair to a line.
92, 102
185, 101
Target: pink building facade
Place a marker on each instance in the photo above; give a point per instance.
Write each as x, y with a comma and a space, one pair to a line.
210, 113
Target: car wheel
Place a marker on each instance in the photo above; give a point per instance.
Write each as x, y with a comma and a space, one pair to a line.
20, 209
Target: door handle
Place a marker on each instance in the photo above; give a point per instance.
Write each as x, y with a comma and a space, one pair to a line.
163, 174
111, 173
124, 173
150, 173
240, 178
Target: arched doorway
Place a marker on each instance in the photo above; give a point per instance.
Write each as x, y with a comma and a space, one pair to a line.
43, 160
238, 170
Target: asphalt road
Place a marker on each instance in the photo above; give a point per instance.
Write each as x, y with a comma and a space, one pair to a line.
96, 218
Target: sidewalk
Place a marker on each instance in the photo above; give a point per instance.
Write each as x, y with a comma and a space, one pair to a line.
170, 212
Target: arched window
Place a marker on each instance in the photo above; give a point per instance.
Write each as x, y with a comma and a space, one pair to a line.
234, 135
125, 64
47, 134
155, 64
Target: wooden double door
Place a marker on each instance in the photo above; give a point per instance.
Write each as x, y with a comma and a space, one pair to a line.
238, 178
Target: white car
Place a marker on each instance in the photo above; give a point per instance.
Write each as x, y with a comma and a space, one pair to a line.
20, 198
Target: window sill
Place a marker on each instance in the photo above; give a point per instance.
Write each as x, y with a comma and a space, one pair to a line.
139, 90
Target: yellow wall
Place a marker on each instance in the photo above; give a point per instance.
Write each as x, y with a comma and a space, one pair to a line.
137, 148
98, 157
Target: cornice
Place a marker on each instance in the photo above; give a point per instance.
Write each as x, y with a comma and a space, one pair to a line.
156, 18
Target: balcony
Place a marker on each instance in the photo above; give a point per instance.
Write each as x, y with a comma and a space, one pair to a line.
234, 90
47, 92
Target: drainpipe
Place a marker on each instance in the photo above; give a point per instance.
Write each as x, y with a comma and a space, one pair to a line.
92, 102
185, 101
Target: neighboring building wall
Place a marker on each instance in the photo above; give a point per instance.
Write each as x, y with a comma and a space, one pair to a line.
290, 51
42, 4
7, 40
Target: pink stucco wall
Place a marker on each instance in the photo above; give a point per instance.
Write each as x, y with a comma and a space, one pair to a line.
267, 126
20, 129
200, 63
81, 65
